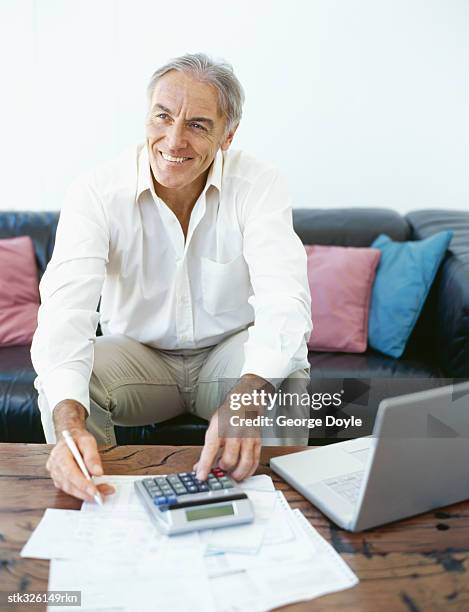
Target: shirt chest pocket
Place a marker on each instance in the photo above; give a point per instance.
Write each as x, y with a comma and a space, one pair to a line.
225, 286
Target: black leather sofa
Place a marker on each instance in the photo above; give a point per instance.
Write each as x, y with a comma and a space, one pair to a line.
438, 347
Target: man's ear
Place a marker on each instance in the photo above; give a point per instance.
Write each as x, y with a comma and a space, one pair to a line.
228, 138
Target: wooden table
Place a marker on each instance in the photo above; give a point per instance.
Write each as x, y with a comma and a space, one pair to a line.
419, 564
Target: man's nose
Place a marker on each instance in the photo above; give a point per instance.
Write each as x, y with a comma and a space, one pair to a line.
175, 136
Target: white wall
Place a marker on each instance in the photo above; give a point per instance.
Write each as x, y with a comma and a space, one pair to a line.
360, 102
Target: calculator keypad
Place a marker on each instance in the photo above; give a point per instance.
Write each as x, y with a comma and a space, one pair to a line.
165, 490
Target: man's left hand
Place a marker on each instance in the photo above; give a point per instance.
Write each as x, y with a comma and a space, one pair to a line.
239, 455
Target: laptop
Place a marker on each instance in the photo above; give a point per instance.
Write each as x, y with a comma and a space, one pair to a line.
417, 459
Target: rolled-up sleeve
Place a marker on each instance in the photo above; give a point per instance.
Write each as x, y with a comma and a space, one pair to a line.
276, 258
63, 345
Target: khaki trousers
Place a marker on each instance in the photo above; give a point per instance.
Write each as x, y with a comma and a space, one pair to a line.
134, 384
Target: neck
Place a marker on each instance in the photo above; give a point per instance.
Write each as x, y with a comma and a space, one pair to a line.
181, 201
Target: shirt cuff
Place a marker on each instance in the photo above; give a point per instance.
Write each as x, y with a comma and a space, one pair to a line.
269, 365
66, 384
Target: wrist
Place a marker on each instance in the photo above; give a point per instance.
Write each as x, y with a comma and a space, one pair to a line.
70, 415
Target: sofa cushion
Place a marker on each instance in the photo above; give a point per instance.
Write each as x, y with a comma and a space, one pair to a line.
405, 274
19, 292
340, 280
367, 378
20, 419
444, 322
40, 226
356, 227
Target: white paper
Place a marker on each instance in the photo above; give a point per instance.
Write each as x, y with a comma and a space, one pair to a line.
71, 534
312, 570
49, 539
120, 562
168, 580
245, 538
124, 500
261, 482
283, 542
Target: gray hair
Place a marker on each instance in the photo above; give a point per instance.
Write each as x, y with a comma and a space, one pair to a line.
220, 74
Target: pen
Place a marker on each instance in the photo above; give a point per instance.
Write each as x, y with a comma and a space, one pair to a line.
69, 441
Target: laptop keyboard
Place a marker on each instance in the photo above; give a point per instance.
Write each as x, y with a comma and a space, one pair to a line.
348, 485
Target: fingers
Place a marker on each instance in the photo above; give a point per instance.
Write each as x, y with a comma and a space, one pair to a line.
71, 479
106, 489
257, 457
209, 452
241, 457
246, 464
66, 474
230, 456
89, 451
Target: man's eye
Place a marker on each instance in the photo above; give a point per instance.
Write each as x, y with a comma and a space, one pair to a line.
161, 116
198, 126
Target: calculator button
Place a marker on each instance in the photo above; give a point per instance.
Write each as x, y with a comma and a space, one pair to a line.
160, 500
173, 479
172, 499
192, 489
227, 485
181, 474
203, 486
214, 486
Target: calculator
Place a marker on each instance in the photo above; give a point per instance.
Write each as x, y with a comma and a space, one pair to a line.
178, 503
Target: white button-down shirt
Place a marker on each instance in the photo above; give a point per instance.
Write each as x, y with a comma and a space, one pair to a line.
241, 263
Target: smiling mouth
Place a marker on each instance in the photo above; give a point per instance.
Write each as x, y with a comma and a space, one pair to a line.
174, 160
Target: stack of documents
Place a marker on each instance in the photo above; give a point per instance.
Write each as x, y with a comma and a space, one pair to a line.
119, 561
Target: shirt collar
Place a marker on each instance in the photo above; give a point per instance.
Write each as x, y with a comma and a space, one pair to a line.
144, 177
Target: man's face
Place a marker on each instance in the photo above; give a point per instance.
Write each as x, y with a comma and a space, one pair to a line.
184, 131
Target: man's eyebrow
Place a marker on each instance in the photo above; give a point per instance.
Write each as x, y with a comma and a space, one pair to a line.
199, 119
202, 120
163, 108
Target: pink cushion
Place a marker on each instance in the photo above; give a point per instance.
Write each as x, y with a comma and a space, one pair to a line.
19, 294
340, 280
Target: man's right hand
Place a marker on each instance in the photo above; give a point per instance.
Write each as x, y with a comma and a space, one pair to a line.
61, 465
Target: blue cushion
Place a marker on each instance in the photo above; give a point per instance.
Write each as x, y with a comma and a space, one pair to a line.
403, 279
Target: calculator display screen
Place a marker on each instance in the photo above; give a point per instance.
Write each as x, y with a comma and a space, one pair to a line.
197, 514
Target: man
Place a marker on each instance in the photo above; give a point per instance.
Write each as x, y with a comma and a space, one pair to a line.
201, 277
